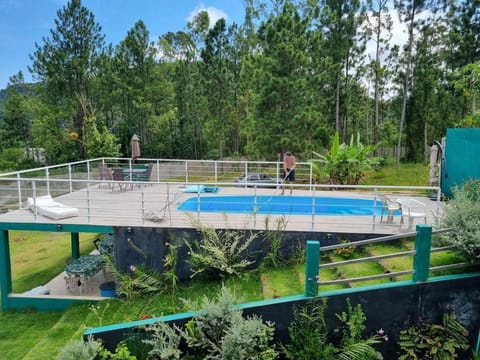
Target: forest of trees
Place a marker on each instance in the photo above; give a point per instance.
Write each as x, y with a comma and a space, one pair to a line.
290, 77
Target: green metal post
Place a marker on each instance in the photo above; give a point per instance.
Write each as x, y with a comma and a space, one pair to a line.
477, 349
311, 268
421, 261
5, 269
75, 240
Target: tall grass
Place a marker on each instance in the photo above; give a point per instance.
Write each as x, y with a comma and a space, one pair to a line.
400, 175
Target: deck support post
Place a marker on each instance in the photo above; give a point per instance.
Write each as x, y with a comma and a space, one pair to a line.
421, 260
311, 268
477, 349
75, 241
5, 269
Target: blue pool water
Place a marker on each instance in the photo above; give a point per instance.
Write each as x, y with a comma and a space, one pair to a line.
291, 205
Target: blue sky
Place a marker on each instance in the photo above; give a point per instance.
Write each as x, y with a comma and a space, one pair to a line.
24, 22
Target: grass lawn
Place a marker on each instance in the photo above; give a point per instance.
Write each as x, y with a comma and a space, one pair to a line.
393, 264
444, 258
358, 270
283, 281
401, 175
43, 251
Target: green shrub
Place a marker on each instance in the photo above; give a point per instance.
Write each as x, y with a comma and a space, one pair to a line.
462, 214
121, 353
471, 189
165, 342
275, 239
80, 350
434, 341
344, 164
345, 252
218, 331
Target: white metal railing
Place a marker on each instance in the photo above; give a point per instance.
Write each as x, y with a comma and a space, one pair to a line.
79, 185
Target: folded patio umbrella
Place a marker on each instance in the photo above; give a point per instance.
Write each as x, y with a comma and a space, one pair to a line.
135, 147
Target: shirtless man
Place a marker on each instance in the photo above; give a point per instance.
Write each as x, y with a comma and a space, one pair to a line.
289, 164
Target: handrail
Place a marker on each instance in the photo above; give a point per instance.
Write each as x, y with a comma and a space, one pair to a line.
421, 262
369, 241
366, 278
367, 259
451, 266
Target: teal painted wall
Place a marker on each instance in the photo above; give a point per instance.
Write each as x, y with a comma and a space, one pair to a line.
462, 152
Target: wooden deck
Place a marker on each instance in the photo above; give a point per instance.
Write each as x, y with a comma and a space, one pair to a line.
155, 205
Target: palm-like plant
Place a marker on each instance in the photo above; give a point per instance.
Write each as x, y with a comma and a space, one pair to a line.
345, 164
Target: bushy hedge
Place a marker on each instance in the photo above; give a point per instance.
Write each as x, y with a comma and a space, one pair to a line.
462, 214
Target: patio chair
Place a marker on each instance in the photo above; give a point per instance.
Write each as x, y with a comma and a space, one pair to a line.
143, 176
119, 178
105, 174
389, 207
408, 211
105, 245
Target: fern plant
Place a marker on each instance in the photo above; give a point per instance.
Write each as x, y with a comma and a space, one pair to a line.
137, 282
434, 341
220, 253
309, 334
353, 345
310, 338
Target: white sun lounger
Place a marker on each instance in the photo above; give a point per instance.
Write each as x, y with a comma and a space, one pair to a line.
48, 207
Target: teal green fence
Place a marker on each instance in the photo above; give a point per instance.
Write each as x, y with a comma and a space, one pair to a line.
421, 259
460, 161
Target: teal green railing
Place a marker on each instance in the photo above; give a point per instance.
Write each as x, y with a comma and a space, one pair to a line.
421, 259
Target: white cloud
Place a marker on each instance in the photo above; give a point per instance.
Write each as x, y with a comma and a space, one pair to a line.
213, 13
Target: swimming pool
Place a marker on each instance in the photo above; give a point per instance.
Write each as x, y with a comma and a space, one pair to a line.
287, 205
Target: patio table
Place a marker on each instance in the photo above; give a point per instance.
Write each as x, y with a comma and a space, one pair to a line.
80, 270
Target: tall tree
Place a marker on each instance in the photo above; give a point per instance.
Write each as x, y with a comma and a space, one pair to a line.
221, 70
282, 120
408, 11
16, 126
182, 50
379, 27
134, 63
340, 20
463, 45
464, 35
67, 62
423, 117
